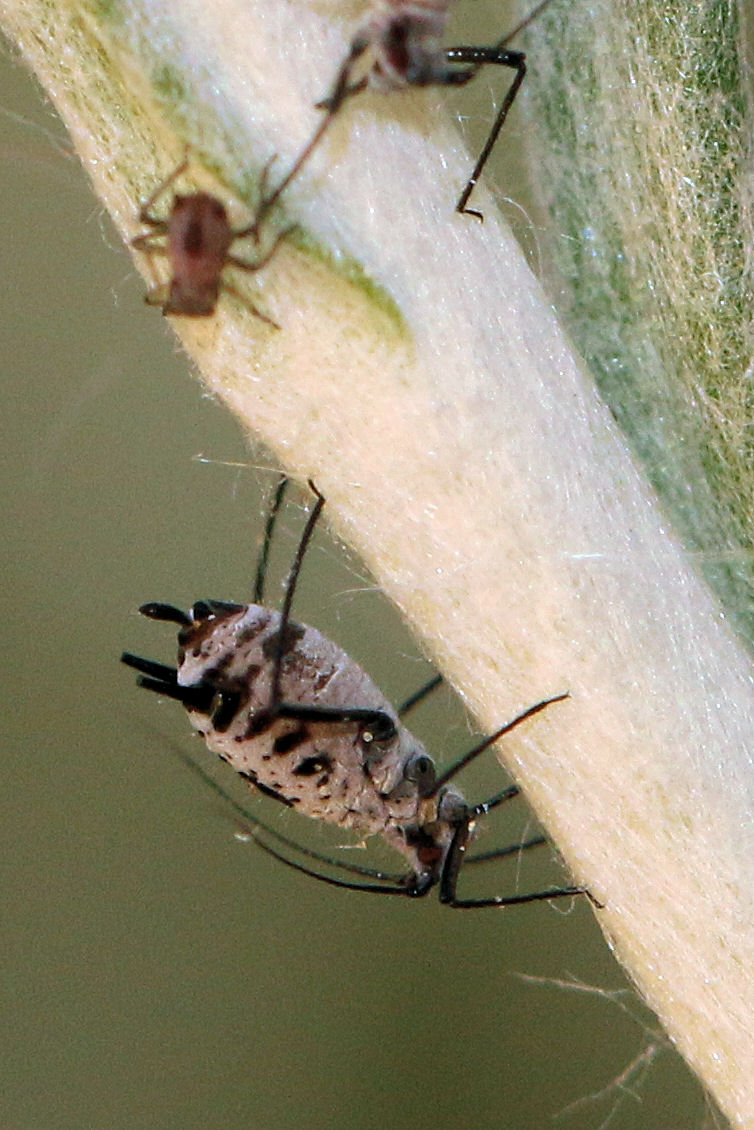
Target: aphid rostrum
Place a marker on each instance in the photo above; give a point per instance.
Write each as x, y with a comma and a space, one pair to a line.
196, 239
399, 45
296, 717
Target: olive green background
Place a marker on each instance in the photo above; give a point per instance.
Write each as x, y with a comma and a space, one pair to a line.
157, 972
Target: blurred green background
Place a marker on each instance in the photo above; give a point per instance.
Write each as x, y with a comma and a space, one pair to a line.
157, 971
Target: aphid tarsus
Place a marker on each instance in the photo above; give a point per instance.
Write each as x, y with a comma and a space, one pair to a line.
196, 238
295, 716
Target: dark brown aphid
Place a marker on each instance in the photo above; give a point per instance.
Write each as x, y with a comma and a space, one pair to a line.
196, 238
398, 46
295, 716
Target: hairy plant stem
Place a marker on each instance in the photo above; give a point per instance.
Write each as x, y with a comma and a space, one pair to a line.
420, 378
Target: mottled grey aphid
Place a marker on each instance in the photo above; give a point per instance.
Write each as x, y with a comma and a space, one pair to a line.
399, 45
196, 237
295, 716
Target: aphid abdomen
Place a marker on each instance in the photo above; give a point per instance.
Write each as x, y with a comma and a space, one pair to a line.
198, 241
328, 770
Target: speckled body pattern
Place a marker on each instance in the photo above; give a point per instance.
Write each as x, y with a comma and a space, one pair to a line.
296, 717
327, 770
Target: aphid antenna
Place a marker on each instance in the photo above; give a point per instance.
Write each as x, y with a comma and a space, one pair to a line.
253, 824
419, 696
369, 888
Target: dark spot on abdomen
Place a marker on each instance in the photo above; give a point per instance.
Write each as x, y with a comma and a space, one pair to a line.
319, 763
292, 740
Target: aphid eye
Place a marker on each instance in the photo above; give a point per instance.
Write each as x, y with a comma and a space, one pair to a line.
421, 770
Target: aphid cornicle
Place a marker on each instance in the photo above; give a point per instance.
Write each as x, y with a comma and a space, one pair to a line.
295, 716
196, 238
399, 45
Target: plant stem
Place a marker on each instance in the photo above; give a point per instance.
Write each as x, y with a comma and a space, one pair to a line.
420, 378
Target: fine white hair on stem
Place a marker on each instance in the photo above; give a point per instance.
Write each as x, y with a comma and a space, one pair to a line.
420, 378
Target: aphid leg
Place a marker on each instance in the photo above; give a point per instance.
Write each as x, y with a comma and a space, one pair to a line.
251, 266
419, 696
482, 746
486, 806
479, 56
146, 241
375, 725
452, 867
269, 531
145, 212
290, 589
257, 264
342, 89
228, 288
158, 292
369, 888
502, 853
157, 295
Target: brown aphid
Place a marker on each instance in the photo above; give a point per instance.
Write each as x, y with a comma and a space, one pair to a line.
304, 724
196, 238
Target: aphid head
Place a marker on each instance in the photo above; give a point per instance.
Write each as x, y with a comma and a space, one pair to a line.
196, 635
202, 640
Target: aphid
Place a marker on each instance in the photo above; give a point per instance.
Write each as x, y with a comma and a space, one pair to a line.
303, 723
196, 238
400, 45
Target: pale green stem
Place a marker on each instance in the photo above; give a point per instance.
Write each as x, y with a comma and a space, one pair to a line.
420, 379
643, 117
